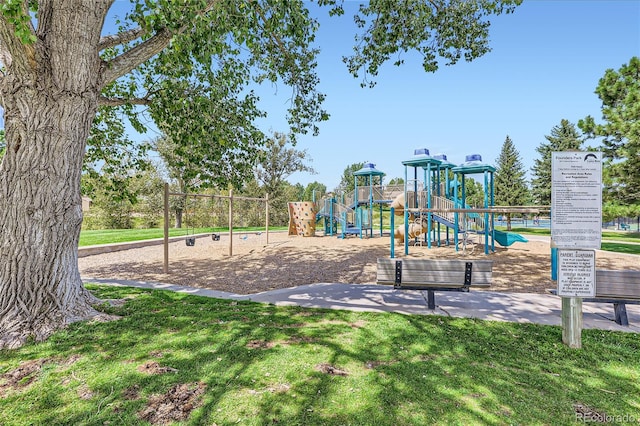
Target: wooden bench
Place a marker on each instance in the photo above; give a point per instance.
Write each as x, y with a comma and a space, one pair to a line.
621, 288
617, 287
434, 275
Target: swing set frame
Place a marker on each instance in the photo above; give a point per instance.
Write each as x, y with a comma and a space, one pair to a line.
229, 197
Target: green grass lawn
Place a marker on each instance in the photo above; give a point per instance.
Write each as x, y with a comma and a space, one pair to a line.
209, 361
109, 236
611, 240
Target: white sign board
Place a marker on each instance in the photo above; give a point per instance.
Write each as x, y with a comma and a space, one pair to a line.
576, 273
576, 199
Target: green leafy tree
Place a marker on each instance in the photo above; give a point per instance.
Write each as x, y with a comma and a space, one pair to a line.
473, 191
184, 175
191, 63
348, 180
279, 160
564, 137
510, 182
149, 188
317, 188
619, 92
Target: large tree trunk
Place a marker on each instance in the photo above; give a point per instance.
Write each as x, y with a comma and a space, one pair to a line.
48, 114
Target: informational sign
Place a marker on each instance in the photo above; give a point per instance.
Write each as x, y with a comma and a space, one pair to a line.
576, 199
576, 273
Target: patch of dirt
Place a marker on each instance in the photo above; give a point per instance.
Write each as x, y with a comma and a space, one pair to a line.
331, 370
131, 393
22, 376
175, 405
84, 392
294, 261
260, 344
71, 360
152, 367
587, 414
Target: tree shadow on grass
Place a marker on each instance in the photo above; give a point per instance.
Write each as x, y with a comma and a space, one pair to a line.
260, 365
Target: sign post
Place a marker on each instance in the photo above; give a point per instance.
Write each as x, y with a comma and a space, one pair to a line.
576, 231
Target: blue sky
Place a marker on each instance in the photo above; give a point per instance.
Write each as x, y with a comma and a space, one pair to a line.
544, 66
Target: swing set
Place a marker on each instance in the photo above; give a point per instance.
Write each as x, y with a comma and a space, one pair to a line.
191, 237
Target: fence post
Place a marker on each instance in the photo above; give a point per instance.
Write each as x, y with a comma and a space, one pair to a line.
166, 229
267, 216
231, 222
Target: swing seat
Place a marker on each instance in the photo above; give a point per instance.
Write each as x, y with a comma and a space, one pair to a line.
191, 241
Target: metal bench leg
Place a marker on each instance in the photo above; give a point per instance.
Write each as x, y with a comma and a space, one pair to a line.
431, 299
620, 310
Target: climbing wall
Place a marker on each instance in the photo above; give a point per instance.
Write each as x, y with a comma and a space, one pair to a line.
302, 219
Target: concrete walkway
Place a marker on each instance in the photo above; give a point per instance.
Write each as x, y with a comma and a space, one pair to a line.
486, 305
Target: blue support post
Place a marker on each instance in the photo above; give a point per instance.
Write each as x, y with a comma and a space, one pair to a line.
406, 214
493, 216
427, 183
456, 220
463, 201
486, 215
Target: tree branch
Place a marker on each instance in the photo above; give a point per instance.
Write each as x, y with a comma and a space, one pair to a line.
113, 40
127, 61
104, 101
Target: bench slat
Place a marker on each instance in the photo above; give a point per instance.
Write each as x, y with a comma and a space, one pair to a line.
618, 284
436, 273
435, 277
438, 264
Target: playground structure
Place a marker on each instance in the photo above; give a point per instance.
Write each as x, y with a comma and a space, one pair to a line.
435, 198
432, 201
353, 212
302, 219
190, 239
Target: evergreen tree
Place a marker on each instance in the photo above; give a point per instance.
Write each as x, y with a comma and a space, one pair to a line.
510, 183
564, 137
619, 92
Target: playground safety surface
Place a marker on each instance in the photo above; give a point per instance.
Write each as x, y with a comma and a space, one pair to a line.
287, 262
329, 272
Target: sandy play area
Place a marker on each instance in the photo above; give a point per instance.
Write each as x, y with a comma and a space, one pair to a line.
292, 261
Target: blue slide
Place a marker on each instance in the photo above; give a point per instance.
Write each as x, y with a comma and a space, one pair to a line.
505, 239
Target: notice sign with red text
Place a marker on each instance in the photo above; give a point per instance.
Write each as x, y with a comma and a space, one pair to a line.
576, 273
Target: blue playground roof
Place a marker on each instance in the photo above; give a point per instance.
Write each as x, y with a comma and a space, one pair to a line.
369, 169
444, 163
421, 158
473, 164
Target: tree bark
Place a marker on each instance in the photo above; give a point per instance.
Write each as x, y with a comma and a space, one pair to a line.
48, 113
178, 222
